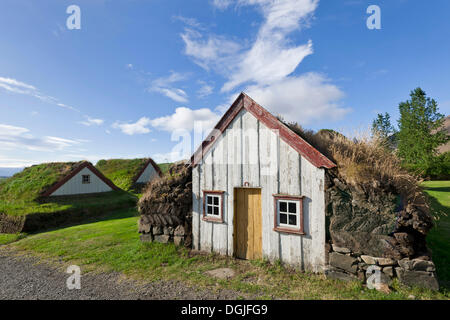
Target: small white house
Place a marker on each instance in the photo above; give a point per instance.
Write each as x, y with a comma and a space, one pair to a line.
84, 179
258, 190
149, 171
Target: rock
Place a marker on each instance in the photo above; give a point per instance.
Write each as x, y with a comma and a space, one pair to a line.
157, 230
340, 249
382, 287
179, 231
168, 231
423, 265
162, 238
362, 266
421, 279
385, 261
339, 275
343, 262
222, 273
411, 297
406, 264
389, 271
178, 241
368, 259
361, 276
146, 238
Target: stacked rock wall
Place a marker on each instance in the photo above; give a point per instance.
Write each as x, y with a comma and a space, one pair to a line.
166, 208
375, 230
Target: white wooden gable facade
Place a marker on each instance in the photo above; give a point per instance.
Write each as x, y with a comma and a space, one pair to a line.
85, 179
284, 177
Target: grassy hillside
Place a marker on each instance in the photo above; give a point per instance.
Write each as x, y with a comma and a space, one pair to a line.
113, 245
438, 238
164, 167
121, 171
19, 194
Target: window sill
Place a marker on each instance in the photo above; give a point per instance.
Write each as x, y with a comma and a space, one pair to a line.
287, 230
211, 219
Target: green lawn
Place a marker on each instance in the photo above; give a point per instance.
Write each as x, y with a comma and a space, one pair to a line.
113, 245
439, 237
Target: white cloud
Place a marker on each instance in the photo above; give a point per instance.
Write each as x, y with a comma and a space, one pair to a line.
165, 86
18, 87
13, 138
267, 65
222, 4
304, 98
272, 57
139, 127
205, 89
186, 119
211, 51
92, 122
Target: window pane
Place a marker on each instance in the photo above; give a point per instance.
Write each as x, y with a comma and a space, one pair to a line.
216, 201
208, 209
216, 211
292, 207
292, 220
283, 206
209, 199
283, 218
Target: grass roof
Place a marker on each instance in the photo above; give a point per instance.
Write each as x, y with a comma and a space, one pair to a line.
122, 172
29, 184
20, 194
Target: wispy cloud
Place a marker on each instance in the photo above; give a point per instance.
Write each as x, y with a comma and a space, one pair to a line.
165, 86
264, 68
92, 122
205, 89
12, 138
138, 127
187, 119
18, 87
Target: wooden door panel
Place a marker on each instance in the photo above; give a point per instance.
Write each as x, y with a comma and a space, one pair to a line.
248, 223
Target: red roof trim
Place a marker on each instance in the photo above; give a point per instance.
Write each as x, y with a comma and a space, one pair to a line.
85, 164
154, 165
291, 138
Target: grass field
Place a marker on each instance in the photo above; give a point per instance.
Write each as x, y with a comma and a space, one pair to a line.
439, 237
113, 245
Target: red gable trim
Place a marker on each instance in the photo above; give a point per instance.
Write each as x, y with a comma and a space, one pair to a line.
85, 164
291, 138
154, 165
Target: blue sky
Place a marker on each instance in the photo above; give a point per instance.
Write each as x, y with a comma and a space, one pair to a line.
140, 72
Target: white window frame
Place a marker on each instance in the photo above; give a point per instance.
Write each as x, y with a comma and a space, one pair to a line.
297, 214
89, 179
219, 206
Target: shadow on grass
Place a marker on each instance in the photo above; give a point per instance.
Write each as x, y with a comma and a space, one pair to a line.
438, 189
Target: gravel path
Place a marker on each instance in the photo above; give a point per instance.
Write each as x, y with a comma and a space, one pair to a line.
25, 278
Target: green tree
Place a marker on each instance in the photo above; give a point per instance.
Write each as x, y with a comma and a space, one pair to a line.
420, 131
382, 126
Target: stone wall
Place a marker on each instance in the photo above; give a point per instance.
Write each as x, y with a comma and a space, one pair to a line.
166, 207
378, 272
377, 228
160, 234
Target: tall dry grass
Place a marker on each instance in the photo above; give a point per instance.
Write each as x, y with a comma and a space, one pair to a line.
365, 161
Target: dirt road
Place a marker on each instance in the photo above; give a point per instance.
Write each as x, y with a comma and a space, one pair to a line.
25, 278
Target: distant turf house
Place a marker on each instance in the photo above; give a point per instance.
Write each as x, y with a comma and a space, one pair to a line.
258, 190
77, 178
129, 173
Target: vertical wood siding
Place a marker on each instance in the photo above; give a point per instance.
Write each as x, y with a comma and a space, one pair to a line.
248, 152
148, 175
75, 185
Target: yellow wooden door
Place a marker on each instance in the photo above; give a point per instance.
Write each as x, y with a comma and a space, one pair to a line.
247, 223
